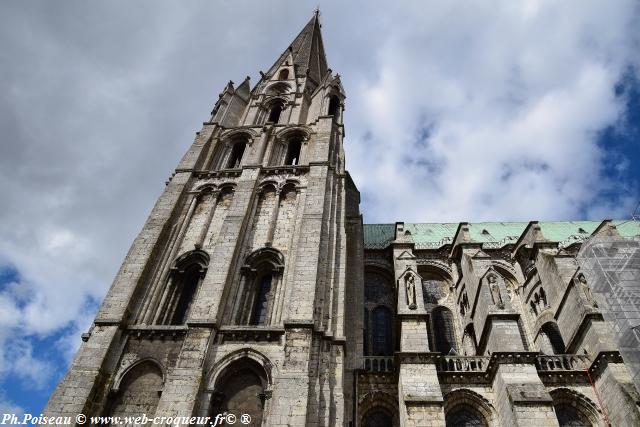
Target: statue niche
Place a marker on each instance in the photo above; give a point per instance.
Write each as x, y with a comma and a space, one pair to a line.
410, 284
494, 288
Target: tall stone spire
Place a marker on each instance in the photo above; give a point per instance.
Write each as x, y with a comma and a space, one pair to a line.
307, 51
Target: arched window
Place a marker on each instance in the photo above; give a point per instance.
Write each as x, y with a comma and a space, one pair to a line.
241, 390
235, 158
284, 74
464, 416
382, 332
469, 341
138, 393
553, 332
378, 316
334, 106
574, 409
293, 152
189, 284
260, 276
377, 417
275, 112
188, 272
260, 307
444, 330
568, 416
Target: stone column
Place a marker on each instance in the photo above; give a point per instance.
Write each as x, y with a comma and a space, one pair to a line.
182, 382
615, 389
521, 397
420, 399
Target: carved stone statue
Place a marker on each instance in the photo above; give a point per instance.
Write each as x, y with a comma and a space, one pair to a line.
411, 291
495, 291
587, 290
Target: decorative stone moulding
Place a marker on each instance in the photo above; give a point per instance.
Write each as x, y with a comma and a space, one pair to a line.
226, 173
281, 170
162, 332
249, 334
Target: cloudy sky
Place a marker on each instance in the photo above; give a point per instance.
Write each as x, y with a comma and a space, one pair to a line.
456, 110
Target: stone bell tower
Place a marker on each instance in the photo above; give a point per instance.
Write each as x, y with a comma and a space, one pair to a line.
232, 298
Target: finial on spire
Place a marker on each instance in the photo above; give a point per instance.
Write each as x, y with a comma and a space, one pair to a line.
316, 12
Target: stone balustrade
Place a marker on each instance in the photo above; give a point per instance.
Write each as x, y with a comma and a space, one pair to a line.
562, 362
464, 363
378, 363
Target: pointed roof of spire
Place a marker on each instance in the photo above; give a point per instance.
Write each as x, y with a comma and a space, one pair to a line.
307, 51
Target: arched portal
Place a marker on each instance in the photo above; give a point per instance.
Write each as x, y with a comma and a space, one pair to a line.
138, 392
240, 389
377, 417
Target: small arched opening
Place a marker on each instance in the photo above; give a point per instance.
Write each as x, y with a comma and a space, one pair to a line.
334, 106
275, 112
293, 152
444, 332
235, 157
551, 330
469, 345
284, 74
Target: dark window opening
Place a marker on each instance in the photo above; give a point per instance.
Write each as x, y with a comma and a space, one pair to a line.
236, 155
382, 332
274, 114
365, 342
552, 331
464, 417
375, 287
241, 392
334, 104
568, 416
443, 328
284, 74
188, 285
259, 315
293, 153
377, 418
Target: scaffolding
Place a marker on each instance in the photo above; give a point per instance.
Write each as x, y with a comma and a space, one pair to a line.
611, 265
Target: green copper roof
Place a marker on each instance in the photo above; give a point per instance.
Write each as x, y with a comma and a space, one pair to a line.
491, 234
431, 235
378, 236
561, 230
628, 228
496, 232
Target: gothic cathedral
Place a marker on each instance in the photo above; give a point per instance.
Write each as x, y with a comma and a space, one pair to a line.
255, 288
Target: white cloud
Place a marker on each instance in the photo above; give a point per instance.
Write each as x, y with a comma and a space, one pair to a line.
513, 99
8, 407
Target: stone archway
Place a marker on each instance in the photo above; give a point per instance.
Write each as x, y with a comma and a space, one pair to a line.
241, 389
